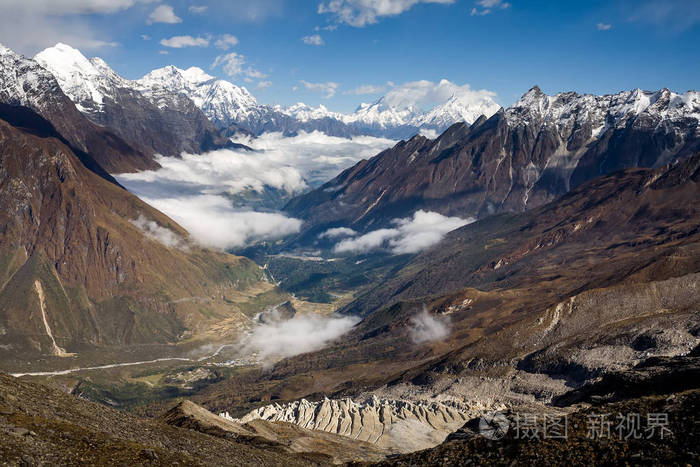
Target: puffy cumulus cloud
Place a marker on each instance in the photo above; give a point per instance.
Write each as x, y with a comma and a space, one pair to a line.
427, 94
200, 192
329, 88
359, 13
226, 41
263, 85
338, 232
163, 14
314, 39
233, 65
410, 235
178, 42
424, 327
299, 335
159, 233
604, 26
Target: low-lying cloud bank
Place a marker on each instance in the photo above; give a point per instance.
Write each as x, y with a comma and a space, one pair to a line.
198, 190
213, 221
296, 336
411, 234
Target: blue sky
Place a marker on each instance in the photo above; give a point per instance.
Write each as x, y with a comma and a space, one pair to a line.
504, 47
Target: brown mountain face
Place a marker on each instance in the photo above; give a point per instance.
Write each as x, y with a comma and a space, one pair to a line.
27, 84
84, 263
518, 159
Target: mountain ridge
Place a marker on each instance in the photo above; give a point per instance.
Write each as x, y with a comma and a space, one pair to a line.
156, 123
521, 157
101, 257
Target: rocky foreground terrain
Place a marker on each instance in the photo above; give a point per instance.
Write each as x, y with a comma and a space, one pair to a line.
43, 426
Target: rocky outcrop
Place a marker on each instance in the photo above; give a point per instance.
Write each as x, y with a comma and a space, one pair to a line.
397, 425
275, 436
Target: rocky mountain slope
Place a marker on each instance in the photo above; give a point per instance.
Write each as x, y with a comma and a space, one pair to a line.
233, 109
26, 83
528, 306
166, 123
520, 158
83, 263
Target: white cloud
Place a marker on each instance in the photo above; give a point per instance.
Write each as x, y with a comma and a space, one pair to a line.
427, 94
423, 327
338, 232
158, 233
428, 133
360, 13
604, 26
163, 14
179, 42
329, 88
198, 9
411, 234
255, 74
232, 64
28, 26
214, 222
299, 335
197, 191
263, 85
145, 37
226, 41
313, 39
164, 52
487, 6
365, 89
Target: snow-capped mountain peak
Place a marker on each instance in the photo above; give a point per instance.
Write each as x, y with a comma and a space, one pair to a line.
196, 75
78, 77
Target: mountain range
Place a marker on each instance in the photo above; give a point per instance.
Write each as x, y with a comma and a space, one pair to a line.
165, 96
573, 291
521, 157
